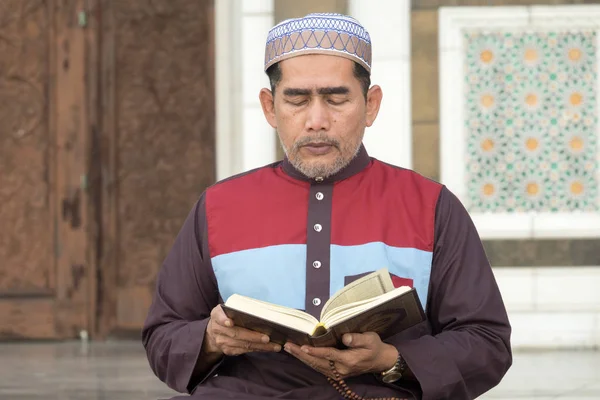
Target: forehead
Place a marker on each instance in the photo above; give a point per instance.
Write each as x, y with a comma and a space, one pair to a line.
315, 70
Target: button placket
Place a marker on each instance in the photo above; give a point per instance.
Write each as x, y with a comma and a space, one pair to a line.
318, 242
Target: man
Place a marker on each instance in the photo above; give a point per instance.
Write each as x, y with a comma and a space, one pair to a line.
296, 231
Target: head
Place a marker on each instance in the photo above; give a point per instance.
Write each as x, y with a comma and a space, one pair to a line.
320, 103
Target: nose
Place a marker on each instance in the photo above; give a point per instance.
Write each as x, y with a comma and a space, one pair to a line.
317, 118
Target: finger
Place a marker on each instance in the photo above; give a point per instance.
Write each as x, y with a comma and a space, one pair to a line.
319, 364
327, 353
253, 346
236, 347
368, 340
347, 362
245, 335
218, 315
236, 351
224, 326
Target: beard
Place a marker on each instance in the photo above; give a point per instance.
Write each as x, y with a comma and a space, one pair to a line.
346, 151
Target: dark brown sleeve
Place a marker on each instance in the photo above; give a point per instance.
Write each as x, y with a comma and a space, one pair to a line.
186, 292
469, 350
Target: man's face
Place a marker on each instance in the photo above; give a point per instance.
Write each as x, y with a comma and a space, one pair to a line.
320, 112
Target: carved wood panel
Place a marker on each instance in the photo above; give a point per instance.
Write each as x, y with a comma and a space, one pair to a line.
106, 141
45, 276
26, 240
162, 113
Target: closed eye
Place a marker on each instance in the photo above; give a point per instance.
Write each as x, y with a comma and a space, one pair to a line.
297, 103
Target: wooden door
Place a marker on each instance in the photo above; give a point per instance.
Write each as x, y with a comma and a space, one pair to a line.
45, 276
156, 144
106, 141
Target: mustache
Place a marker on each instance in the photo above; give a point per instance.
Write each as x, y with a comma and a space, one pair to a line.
319, 139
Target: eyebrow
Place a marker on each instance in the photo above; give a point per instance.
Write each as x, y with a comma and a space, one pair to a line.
321, 91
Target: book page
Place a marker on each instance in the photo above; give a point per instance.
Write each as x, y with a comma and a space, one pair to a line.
371, 285
286, 316
342, 313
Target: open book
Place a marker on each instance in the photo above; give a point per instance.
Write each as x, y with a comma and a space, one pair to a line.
369, 304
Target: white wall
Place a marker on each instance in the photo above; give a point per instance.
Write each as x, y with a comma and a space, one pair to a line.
552, 307
244, 139
390, 138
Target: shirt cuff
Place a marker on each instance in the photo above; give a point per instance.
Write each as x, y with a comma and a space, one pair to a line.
197, 329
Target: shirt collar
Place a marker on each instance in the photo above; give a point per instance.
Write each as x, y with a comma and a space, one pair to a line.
358, 163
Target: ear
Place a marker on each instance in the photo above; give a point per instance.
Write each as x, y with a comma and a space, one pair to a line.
268, 106
374, 96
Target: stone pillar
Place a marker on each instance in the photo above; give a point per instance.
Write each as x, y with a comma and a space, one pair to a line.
389, 139
244, 138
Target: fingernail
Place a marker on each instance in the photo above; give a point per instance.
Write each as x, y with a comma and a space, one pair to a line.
347, 339
286, 348
227, 322
277, 348
265, 339
305, 349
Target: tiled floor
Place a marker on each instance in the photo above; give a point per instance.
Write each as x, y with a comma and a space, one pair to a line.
119, 371
565, 375
77, 371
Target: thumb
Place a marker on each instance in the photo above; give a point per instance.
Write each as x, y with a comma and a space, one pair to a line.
218, 315
360, 340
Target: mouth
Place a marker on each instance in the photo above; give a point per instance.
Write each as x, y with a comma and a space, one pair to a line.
318, 148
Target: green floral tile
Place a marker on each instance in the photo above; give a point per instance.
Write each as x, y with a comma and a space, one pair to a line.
532, 121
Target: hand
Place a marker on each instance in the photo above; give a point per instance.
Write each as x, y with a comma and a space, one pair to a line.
366, 353
222, 337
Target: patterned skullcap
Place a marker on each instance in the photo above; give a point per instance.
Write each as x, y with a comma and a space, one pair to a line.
320, 33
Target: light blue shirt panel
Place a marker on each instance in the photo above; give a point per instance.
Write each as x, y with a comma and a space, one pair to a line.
276, 274
401, 261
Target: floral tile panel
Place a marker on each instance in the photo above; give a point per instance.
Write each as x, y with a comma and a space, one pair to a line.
531, 120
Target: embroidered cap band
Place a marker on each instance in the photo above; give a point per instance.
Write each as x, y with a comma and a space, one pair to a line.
322, 33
